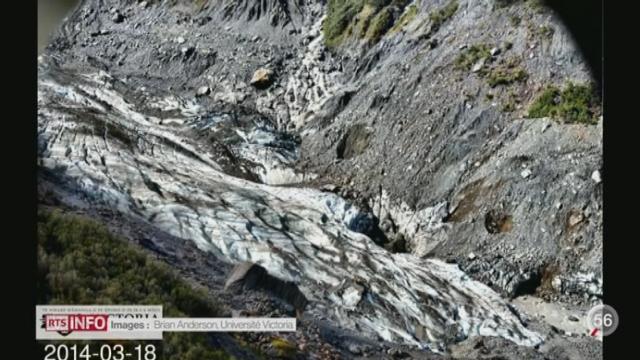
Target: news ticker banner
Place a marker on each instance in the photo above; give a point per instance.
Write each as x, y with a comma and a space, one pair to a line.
132, 322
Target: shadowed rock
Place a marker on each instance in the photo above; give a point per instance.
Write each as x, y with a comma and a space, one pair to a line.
255, 277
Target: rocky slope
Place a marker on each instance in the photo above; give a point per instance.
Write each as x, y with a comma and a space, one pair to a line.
384, 159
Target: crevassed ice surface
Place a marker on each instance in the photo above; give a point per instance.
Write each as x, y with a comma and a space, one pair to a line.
118, 152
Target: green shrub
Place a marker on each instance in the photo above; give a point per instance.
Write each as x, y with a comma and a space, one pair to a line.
515, 20
511, 102
80, 262
368, 19
505, 73
438, 17
543, 32
506, 76
340, 14
574, 104
509, 106
379, 25
546, 103
406, 18
537, 5
471, 56
546, 31
284, 347
378, 4
362, 22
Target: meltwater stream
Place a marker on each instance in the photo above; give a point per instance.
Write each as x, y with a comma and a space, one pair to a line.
212, 177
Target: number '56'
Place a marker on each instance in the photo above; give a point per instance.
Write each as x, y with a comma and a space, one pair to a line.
599, 320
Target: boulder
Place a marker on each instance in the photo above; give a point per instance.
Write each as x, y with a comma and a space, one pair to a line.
262, 78
203, 91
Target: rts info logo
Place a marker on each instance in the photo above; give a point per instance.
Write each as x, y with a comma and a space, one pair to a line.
68, 323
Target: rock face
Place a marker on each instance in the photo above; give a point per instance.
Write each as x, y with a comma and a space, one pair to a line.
441, 134
421, 134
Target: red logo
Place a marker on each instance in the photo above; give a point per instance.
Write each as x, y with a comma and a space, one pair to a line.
76, 322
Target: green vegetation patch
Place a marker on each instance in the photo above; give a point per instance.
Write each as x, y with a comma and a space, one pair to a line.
506, 76
573, 104
407, 17
440, 16
471, 56
515, 20
379, 25
546, 31
536, 5
340, 14
542, 32
505, 73
362, 22
285, 348
80, 262
511, 103
365, 19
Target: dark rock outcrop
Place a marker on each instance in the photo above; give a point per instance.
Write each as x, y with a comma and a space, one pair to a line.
255, 277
